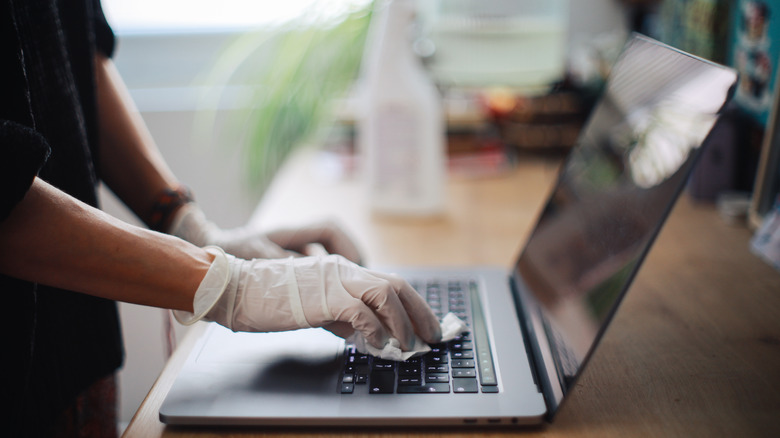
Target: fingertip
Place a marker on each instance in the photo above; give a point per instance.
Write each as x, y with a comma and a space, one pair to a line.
433, 334
438, 335
369, 326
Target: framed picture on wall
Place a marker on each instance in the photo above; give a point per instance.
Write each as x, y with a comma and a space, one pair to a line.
754, 53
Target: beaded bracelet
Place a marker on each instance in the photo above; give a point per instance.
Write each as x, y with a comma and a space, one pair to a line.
166, 204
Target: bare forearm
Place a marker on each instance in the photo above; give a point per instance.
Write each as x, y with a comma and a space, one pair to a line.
130, 163
52, 238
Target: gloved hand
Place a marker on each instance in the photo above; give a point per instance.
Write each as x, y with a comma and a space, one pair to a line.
324, 291
190, 224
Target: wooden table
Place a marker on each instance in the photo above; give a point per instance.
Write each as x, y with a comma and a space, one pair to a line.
693, 351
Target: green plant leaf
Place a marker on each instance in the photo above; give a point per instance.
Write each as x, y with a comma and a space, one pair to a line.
288, 78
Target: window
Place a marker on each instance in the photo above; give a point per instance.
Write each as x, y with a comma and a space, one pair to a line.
144, 16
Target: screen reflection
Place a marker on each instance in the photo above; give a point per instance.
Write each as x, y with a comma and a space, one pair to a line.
615, 190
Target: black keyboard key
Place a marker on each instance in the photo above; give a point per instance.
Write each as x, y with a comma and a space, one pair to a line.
465, 354
383, 365
348, 378
440, 368
381, 382
407, 381
405, 370
464, 372
438, 348
433, 359
428, 388
457, 307
465, 336
437, 377
347, 388
462, 363
490, 389
486, 373
360, 359
465, 385
361, 379
461, 345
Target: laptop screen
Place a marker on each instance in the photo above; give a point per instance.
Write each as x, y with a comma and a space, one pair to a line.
614, 192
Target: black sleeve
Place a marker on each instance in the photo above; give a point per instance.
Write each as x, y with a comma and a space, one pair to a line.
23, 153
22, 150
104, 35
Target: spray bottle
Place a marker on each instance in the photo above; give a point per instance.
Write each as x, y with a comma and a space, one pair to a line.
401, 128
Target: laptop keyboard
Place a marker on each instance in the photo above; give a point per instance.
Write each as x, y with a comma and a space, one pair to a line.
463, 365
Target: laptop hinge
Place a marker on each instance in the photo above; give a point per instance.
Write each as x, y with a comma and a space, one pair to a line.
538, 349
526, 338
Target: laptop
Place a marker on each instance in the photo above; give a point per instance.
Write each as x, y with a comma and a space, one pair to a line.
530, 330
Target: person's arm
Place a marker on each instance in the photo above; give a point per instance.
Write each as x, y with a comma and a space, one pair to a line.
129, 161
132, 166
164, 271
54, 239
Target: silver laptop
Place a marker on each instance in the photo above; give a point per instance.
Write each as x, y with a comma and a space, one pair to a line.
530, 330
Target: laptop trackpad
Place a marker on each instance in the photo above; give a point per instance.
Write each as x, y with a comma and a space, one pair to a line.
287, 362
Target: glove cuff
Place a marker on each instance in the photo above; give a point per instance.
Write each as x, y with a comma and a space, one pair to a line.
211, 288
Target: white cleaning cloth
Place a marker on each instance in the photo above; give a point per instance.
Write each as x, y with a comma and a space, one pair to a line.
451, 326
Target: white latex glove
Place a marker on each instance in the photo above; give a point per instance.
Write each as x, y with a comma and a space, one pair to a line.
190, 224
323, 291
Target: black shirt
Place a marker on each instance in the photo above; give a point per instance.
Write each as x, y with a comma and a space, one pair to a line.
57, 342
